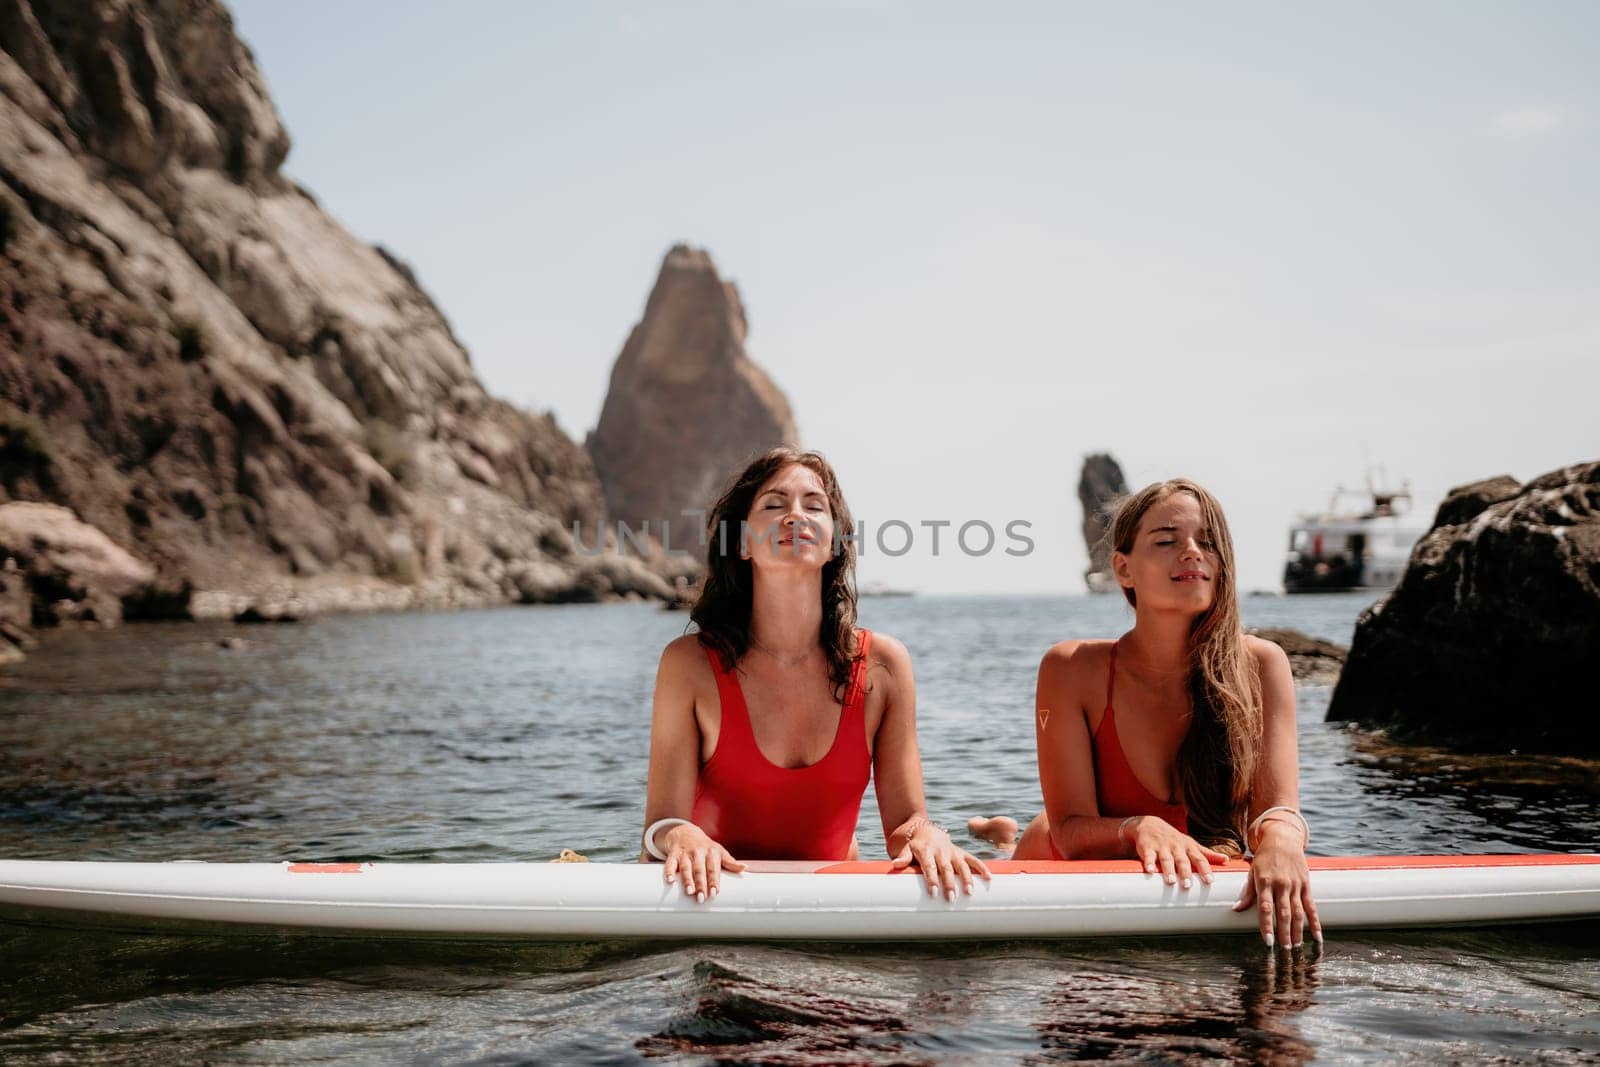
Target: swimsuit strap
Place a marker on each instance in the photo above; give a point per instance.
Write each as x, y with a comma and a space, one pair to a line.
735, 723
1111, 679
856, 689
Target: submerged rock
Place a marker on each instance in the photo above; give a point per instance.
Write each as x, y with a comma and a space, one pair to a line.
1312, 660
1491, 638
686, 406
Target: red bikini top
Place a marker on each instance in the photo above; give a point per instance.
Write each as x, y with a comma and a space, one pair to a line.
1118, 792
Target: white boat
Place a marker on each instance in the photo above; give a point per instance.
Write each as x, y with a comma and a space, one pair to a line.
814, 901
1365, 546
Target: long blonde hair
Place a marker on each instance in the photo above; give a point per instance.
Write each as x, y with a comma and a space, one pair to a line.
1218, 758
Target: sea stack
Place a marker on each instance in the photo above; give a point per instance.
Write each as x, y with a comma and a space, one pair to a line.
1489, 641
686, 406
1101, 487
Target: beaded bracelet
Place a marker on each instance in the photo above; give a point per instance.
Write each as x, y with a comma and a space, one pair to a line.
917, 822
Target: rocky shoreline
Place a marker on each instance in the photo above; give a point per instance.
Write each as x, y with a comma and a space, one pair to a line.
243, 410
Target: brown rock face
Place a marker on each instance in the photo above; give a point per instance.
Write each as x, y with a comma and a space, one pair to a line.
686, 406
1101, 488
1490, 639
73, 571
213, 372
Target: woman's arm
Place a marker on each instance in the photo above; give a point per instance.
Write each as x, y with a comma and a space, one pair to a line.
897, 769
1066, 759
1066, 774
1280, 882
674, 769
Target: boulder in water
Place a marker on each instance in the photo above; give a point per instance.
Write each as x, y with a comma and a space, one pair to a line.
1490, 640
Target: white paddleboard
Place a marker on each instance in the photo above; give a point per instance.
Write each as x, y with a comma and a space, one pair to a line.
814, 901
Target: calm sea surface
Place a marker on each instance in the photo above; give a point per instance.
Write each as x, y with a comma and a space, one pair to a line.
511, 734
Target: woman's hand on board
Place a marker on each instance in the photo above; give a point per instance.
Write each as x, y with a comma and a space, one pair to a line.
1279, 886
939, 860
695, 859
1162, 847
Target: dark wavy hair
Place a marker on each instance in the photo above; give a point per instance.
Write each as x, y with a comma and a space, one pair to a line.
722, 611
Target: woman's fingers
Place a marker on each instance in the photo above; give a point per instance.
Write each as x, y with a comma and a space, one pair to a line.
1201, 866
1182, 869
948, 869
700, 870
669, 867
947, 873
1285, 912
960, 863
713, 871
930, 870
699, 886
1164, 857
1266, 916
1147, 856
1213, 856
963, 865
1247, 897
1311, 914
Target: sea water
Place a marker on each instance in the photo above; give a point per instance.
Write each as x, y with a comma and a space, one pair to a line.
510, 734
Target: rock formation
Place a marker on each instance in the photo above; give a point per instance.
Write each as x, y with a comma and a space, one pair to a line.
210, 370
1312, 660
1101, 487
1491, 638
686, 406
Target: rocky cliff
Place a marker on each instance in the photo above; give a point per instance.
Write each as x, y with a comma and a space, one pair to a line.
205, 366
1491, 638
686, 405
1101, 488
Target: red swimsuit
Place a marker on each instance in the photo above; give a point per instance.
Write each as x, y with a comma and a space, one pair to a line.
760, 811
1117, 790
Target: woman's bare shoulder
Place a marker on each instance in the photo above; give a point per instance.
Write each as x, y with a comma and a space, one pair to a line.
685, 658
889, 661
889, 651
1076, 656
1270, 658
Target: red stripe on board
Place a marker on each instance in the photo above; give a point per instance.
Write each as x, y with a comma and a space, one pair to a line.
324, 868
1316, 863
1417, 863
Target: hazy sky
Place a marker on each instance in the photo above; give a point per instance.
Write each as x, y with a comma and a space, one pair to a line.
1260, 245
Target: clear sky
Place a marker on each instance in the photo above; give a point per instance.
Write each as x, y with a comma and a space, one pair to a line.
1258, 244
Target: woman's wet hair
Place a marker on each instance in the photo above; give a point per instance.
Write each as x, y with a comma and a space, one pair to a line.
1219, 756
723, 608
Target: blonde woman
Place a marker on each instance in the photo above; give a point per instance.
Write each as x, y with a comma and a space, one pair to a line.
1174, 743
